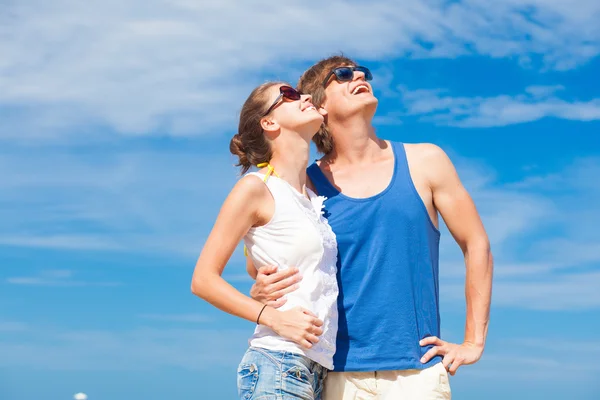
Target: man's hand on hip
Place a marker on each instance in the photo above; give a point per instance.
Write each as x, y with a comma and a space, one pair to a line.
454, 355
272, 285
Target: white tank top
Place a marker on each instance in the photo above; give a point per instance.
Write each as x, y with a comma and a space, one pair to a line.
299, 236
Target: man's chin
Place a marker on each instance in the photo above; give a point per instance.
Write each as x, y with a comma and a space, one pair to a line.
365, 101
367, 106
350, 109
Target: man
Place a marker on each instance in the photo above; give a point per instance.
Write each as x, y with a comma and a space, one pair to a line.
383, 200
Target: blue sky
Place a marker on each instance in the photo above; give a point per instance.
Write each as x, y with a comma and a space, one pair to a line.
114, 128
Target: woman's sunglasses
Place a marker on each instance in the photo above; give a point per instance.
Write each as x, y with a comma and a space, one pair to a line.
346, 74
286, 92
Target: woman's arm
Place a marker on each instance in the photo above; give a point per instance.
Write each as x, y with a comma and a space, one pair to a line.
248, 204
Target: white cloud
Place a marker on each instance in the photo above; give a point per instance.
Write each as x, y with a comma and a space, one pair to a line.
545, 246
517, 367
508, 214
61, 278
544, 360
65, 242
562, 346
12, 326
148, 202
144, 203
139, 349
553, 292
475, 112
184, 67
188, 318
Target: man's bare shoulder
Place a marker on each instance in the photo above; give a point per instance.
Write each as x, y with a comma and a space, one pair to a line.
425, 152
431, 162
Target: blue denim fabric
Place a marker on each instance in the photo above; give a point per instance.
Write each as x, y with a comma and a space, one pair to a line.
279, 375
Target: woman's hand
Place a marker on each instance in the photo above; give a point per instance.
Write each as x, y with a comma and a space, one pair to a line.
298, 324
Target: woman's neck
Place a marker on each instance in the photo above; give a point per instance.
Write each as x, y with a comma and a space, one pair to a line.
290, 161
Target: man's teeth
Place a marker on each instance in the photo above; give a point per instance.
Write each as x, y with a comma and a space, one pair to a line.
358, 88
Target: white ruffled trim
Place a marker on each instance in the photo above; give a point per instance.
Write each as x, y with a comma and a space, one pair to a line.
327, 268
318, 203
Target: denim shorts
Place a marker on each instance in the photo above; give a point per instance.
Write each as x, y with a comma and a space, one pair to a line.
279, 375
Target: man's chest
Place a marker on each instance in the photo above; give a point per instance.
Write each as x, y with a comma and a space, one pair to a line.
362, 181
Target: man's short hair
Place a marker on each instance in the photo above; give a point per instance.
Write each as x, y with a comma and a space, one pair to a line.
311, 82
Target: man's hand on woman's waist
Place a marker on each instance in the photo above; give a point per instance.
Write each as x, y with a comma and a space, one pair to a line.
272, 285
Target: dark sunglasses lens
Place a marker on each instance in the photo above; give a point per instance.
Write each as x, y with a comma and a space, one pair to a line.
290, 93
344, 73
366, 71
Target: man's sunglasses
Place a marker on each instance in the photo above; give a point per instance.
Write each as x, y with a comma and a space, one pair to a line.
346, 74
286, 92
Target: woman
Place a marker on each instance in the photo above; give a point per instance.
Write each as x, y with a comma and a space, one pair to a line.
280, 221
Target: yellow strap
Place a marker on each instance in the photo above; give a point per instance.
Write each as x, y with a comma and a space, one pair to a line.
270, 171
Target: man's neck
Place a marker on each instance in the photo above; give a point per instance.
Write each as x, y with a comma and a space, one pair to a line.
355, 142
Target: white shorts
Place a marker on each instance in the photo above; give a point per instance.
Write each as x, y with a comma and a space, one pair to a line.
428, 384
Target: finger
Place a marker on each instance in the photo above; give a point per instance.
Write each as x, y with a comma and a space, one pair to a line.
315, 330
317, 322
305, 343
285, 282
283, 292
280, 275
448, 360
277, 303
457, 362
434, 340
308, 312
267, 269
311, 338
432, 352
452, 370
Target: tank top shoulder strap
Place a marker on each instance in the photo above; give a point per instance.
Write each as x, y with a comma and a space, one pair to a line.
320, 182
263, 177
278, 191
399, 154
402, 171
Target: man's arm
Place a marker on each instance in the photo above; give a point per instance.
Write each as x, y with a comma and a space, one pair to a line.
272, 285
457, 209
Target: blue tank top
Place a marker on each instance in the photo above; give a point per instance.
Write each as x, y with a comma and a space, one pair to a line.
387, 273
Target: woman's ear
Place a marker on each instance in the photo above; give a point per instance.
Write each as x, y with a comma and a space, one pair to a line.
269, 126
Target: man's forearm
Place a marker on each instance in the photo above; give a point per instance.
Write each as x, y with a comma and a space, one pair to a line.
478, 292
